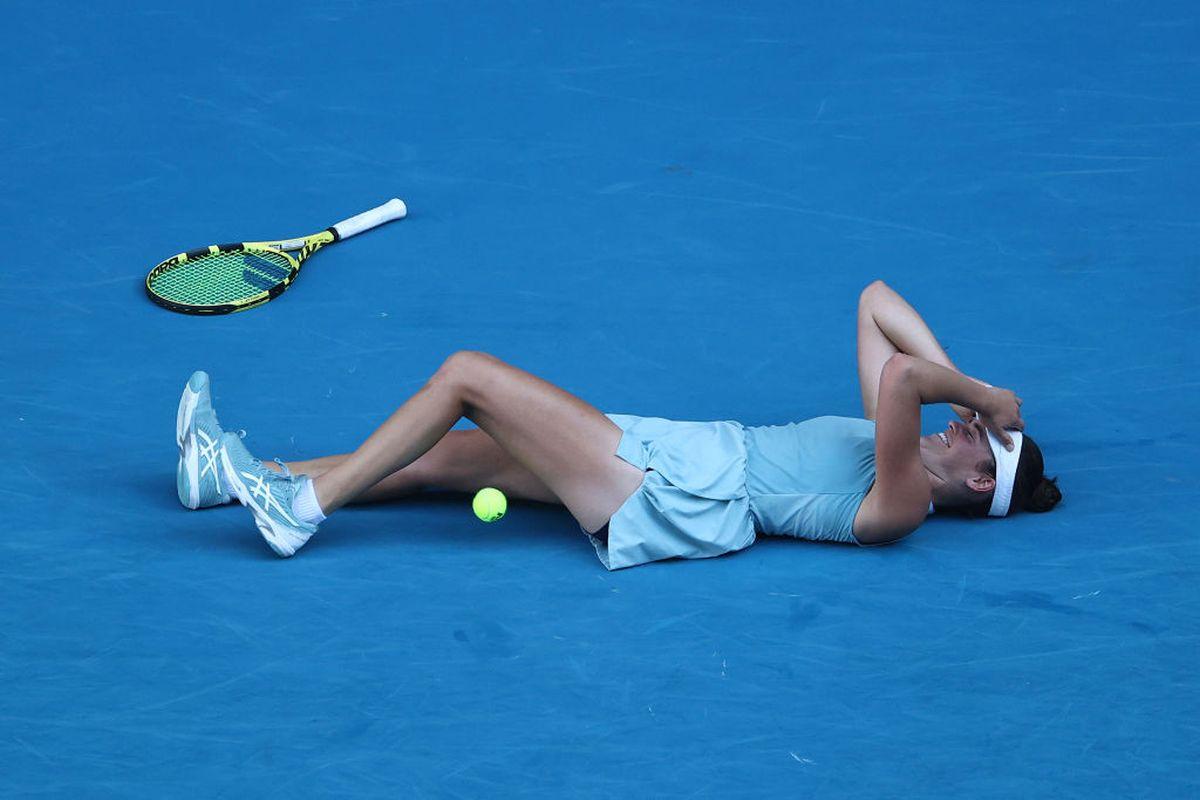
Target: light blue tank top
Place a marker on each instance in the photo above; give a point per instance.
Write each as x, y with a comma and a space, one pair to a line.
808, 479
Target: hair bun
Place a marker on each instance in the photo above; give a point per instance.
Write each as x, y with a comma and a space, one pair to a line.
1046, 495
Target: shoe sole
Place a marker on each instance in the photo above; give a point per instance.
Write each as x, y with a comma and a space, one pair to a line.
187, 483
266, 526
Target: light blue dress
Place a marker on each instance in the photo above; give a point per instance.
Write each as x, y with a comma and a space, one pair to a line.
711, 486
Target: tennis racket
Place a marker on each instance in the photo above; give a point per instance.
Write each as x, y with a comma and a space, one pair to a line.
223, 278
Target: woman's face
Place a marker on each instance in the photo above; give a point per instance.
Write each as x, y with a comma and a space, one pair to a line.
953, 456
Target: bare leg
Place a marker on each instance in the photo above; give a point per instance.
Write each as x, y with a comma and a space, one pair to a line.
462, 461
566, 443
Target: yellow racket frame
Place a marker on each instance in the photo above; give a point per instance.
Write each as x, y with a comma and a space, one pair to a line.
294, 250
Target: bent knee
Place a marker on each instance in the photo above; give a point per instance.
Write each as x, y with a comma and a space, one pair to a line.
469, 372
463, 364
467, 360
873, 288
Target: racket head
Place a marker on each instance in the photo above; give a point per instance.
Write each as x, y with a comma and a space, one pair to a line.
224, 278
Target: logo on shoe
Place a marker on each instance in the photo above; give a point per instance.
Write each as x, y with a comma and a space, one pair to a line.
261, 490
208, 452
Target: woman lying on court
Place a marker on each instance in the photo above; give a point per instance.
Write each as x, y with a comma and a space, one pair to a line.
645, 488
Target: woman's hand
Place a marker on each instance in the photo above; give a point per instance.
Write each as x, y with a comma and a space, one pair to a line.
1003, 413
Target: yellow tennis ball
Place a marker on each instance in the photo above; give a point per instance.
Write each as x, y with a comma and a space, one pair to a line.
489, 504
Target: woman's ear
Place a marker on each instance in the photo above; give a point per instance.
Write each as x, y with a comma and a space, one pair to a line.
981, 483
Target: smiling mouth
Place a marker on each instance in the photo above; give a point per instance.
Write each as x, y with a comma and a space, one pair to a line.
945, 439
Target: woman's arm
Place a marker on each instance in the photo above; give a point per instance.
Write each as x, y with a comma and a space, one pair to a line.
887, 325
897, 502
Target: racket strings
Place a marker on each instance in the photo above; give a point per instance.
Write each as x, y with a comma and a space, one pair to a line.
221, 278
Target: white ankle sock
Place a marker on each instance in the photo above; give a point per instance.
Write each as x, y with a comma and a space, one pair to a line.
305, 505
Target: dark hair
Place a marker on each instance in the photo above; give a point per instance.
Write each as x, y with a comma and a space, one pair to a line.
1032, 490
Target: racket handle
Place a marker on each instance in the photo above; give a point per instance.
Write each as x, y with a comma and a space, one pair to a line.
392, 209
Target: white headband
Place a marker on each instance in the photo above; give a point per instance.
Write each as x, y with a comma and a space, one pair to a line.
1006, 471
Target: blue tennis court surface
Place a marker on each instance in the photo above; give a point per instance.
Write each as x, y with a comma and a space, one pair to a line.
668, 209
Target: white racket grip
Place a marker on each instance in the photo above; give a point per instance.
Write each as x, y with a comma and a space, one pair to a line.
392, 209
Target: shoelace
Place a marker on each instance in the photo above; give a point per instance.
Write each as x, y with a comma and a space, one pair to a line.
257, 462
285, 474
